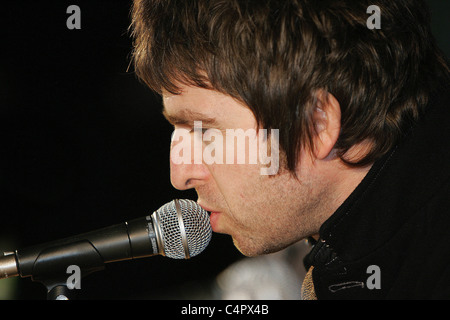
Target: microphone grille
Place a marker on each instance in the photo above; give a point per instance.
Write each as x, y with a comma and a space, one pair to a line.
185, 228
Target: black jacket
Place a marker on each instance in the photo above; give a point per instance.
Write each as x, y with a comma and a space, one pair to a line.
391, 238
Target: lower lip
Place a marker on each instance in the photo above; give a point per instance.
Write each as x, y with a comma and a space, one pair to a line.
213, 219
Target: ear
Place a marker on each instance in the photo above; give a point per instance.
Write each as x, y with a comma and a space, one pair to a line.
327, 124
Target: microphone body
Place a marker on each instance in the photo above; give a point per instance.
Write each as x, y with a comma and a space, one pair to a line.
134, 239
164, 230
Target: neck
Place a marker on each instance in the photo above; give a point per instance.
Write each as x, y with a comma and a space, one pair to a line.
339, 181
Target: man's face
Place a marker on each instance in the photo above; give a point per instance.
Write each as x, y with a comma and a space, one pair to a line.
262, 213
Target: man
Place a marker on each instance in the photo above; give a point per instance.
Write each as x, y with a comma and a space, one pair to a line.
361, 114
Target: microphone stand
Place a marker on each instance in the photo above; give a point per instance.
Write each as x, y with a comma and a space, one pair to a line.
51, 267
60, 292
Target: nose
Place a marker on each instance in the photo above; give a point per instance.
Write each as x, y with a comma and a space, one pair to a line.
187, 176
185, 173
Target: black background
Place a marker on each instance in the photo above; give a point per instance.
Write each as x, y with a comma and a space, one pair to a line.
83, 145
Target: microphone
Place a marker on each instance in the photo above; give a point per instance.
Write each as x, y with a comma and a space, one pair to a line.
179, 229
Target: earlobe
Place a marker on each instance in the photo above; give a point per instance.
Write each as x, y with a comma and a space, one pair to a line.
327, 124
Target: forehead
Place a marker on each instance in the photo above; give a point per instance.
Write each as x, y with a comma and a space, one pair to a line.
193, 99
191, 103
209, 106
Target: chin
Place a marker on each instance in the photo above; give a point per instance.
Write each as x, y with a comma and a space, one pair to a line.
249, 249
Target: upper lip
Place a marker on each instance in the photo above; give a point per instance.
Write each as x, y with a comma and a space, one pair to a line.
205, 207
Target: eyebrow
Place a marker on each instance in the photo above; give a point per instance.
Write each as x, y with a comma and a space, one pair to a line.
187, 117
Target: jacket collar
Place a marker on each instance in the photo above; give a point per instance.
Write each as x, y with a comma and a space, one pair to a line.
395, 188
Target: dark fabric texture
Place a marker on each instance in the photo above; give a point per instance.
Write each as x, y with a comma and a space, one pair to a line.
396, 220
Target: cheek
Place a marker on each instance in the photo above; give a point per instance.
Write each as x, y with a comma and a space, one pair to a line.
233, 184
242, 189
235, 178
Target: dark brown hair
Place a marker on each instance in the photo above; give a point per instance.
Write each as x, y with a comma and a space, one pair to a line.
274, 56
